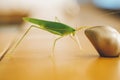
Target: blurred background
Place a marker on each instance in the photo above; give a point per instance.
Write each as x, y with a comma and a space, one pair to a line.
11, 11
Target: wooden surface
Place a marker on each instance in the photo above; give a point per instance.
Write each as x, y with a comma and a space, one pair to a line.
31, 61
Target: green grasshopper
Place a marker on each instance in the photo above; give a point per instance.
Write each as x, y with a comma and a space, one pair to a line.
56, 28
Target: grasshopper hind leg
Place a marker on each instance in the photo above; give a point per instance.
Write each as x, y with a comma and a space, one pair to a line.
15, 43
